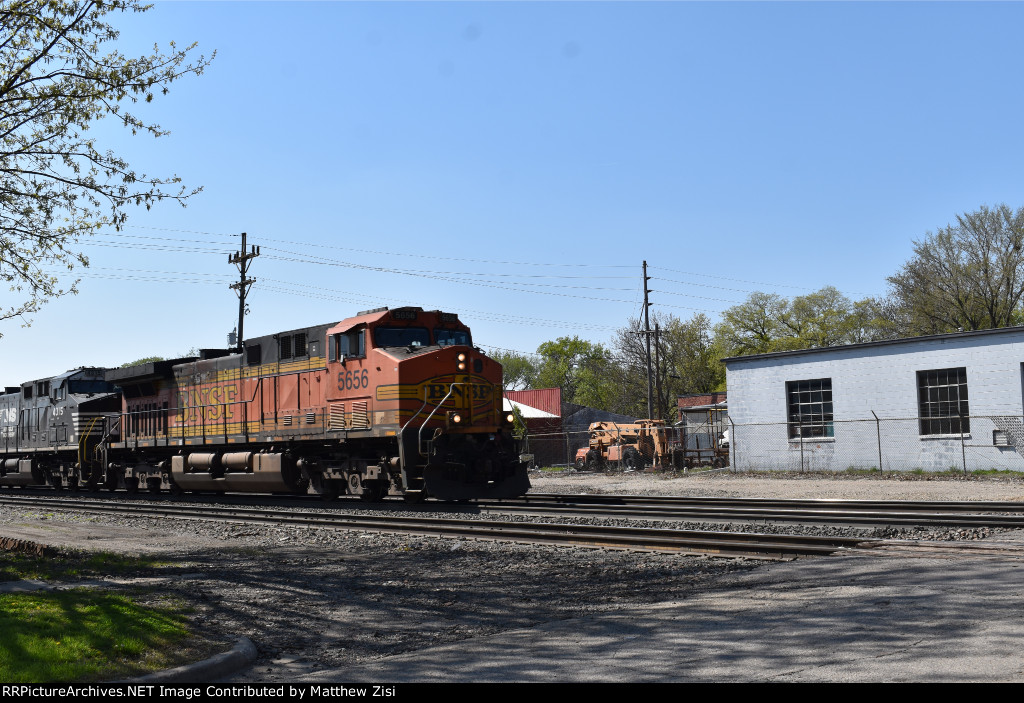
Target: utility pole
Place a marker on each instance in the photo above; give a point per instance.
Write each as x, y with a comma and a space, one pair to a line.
657, 367
241, 260
647, 338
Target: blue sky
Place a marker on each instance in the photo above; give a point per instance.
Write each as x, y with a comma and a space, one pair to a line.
516, 162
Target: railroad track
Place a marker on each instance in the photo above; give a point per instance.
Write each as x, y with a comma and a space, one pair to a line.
1005, 506
731, 544
894, 513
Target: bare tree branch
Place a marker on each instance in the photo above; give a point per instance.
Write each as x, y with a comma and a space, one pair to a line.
57, 78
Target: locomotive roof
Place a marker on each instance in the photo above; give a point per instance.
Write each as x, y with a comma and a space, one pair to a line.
55, 380
369, 316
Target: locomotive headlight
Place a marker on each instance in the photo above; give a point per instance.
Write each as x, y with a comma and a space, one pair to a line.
510, 419
455, 418
462, 362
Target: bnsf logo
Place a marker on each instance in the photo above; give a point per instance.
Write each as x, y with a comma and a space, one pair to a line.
477, 391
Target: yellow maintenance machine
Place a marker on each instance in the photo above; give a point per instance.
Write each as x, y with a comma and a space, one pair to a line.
632, 446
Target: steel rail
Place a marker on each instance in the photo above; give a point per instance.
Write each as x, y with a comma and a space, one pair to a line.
902, 505
720, 510
732, 544
800, 516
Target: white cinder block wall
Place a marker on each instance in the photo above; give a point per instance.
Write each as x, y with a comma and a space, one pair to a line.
881, 377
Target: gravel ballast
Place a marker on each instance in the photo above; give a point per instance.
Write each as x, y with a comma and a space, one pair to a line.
312, 599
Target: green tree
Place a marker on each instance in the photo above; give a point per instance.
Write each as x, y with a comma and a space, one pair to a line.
755, 326
767, 322
685, 358
519, 370
580, 368
695, 357
967, 276
144, 360
58, 76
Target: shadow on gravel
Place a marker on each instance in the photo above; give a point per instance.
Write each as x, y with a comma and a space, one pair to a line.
830, 619
339, 607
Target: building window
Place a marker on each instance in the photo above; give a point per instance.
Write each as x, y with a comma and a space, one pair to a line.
942, 401
810, 408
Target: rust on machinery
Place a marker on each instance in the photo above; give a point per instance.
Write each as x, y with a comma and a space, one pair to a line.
650, 444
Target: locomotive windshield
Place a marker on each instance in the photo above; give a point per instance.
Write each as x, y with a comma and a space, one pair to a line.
446, 338
89, 387
401, 337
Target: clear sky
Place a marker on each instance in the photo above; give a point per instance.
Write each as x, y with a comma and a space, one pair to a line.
516, 162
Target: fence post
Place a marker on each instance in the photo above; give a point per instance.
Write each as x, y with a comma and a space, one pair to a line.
801, 440
568, 457
878, 433
963, 451
732, 442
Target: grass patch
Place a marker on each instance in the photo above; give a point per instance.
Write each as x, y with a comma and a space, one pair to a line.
1002, 473
83, 635
854, 471
553, 469
68, 564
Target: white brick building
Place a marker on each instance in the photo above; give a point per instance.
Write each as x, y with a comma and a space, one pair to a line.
943, 401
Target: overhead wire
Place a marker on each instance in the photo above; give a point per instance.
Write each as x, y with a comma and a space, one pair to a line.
171, 244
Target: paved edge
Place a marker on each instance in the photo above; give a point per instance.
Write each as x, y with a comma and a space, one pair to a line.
216, 667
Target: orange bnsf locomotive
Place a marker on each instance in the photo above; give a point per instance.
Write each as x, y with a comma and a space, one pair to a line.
389, 402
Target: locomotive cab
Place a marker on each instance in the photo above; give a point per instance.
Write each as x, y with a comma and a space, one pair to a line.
414, 375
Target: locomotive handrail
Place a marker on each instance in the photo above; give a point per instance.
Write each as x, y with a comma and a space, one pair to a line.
179, 413
419, 435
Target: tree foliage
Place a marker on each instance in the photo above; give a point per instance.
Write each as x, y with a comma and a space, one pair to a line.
580, 368
685, 358
58, 77
519, 369
967, 276
767, 322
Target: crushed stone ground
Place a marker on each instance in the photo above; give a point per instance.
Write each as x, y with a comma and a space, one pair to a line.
316, 599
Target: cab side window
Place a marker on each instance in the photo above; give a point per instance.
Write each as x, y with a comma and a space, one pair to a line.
347, 346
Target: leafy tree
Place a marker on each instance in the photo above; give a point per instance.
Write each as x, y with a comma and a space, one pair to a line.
519, 369
967, 276
580, 368
144, 360
685, 359
755, 326
767, 322
696, 356
58, 76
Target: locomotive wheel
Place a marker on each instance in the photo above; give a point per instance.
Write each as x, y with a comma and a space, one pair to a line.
325, 488
153, 484
414, 497
131, 484
374, 493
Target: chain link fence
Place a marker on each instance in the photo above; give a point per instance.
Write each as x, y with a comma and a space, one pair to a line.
890, 444
986, 442
687, 446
